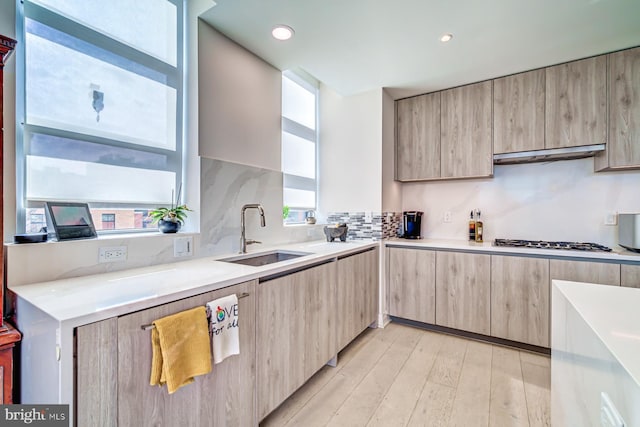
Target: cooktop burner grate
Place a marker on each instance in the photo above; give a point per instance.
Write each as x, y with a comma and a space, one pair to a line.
541, 244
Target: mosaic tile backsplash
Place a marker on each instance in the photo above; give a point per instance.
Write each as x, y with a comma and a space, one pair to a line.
368, 225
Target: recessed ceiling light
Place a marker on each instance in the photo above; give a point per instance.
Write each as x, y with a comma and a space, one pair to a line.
282, 32
446, 37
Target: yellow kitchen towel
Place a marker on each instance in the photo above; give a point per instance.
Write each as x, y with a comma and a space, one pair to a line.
181, 348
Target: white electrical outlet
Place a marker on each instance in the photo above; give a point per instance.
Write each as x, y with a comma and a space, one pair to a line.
112, 254
447, 216
183, 246
611, 218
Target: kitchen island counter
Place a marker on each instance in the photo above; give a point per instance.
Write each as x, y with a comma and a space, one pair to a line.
595, 351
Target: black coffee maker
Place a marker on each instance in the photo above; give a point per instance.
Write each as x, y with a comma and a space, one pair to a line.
412, 224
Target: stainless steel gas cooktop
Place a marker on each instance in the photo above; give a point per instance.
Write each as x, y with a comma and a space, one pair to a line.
541, 244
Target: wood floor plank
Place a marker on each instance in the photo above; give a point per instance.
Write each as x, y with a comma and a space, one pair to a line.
464, 383
361, 404
291, 406
433, 407
319, 410
508, 403
446, 369
537, 388
473, 394
399, 402
535, 359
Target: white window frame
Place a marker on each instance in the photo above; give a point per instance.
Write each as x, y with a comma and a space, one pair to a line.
175, 78
311, 135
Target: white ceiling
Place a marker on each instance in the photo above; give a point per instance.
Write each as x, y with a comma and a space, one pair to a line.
358, 45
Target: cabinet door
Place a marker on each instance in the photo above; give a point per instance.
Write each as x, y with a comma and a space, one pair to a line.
623, 147
586, 271
357, 295
296, 332
418, 137
466, 136
319, 320
97, 374
412, 284
518, 112
226, 395
576, 103
520, 299
463, 283
630, 275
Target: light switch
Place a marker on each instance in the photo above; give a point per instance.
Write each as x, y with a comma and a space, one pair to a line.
183, 246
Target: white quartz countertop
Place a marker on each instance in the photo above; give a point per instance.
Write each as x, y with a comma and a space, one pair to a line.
612, 312
88, 299
488, 247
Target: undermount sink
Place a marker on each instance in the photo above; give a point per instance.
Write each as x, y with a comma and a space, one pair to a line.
264, 258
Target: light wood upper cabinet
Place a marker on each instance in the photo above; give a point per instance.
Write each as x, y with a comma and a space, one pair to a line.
412, 284
463, 282
576, 103
623, 147
584, 271
296, 332
630, 275
520, 299
225, 395
466, 134
418, 137
357, 295
518, 112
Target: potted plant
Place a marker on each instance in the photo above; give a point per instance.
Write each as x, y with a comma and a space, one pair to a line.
170, 219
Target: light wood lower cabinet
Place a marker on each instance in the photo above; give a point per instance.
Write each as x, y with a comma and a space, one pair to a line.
97, 374
225, 395
463, 291
295, 333
630, 275
357, 295
585, 271
412, 284
520, 299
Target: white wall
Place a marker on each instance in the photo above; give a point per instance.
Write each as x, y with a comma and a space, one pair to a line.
562, 200
350, 170
240, 103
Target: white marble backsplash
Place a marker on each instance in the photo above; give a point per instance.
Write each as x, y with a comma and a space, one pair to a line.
562, 200
225, 188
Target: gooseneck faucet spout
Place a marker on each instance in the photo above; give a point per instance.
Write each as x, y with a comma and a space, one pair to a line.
243, 240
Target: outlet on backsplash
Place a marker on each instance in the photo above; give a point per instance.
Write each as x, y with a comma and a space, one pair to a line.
447, 216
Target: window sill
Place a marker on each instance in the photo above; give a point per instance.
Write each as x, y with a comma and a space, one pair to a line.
115, 236
304, 224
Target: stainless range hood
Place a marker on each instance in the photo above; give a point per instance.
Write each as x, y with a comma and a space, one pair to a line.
548, 155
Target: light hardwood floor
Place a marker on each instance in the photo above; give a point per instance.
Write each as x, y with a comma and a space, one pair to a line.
405, 376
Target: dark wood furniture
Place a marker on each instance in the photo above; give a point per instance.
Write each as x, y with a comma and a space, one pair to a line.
9, 336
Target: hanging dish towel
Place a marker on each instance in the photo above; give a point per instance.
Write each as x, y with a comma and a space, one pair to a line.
223, 325
181, 348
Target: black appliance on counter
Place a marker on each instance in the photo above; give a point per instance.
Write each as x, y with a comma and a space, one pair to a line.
412, 224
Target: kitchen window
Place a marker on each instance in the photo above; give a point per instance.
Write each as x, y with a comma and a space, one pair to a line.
299, 146
101, 103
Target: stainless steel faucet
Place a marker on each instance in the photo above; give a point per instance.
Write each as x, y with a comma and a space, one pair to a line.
243, 240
